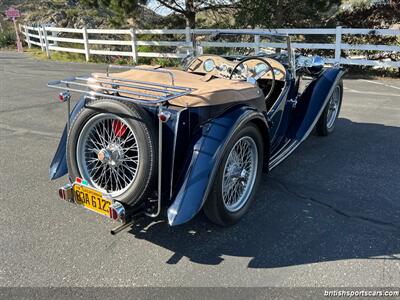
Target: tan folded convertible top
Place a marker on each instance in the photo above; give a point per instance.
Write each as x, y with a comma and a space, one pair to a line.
206, 93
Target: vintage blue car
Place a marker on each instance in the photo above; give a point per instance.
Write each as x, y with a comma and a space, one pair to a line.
148, 141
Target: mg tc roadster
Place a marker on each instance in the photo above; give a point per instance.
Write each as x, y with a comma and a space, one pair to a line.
148, 141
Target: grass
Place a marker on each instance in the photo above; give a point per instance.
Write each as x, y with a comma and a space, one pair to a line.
117, 60
59, 56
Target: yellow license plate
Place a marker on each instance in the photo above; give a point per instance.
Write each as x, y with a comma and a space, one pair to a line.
92, 199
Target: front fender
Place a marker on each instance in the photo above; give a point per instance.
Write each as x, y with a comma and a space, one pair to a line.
58, 166
312, 103
204, 163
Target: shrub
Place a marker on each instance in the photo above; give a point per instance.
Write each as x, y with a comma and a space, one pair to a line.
7, 38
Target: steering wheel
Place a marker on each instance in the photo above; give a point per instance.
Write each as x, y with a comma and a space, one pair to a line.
260, 74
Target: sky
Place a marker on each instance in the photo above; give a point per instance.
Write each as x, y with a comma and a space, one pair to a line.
160, 10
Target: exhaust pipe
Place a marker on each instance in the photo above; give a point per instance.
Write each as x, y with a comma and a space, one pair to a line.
129, 220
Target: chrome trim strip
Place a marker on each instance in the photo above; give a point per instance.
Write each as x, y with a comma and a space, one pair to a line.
178, 116
278, 153
285, 153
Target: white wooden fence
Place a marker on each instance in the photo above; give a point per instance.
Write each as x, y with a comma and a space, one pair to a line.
48, 37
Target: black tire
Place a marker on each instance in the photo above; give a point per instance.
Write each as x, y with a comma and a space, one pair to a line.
214, 208
322, 127
144, 181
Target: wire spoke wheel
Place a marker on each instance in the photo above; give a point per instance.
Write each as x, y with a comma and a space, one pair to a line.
327, 121
108, 153
239, 174
333, 107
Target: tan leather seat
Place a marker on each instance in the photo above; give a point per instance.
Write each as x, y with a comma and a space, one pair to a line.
206, 93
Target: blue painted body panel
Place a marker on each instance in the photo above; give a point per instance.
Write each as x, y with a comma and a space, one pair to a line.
58, 166
207, 153
311, 104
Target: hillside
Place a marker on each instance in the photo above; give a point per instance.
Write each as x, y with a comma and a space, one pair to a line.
70, 13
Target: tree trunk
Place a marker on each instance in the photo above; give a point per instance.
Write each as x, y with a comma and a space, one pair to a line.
191, 20
190, 14
278, 14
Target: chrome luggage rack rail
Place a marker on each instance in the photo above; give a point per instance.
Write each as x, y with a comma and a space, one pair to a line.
111, 86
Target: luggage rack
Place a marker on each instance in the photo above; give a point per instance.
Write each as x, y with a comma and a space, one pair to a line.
112, 87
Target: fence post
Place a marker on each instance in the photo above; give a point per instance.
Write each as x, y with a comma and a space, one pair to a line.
54, 34
257, 42
28, 40
338, 45
188, 39
46, 41
40, 37
134, 46
86, 42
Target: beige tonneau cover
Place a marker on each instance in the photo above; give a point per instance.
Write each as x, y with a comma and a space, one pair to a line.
207, 91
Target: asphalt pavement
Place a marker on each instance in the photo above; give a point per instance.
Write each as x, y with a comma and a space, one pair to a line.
327, 216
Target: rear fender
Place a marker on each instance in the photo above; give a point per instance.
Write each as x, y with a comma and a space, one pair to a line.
58, 166
206, 155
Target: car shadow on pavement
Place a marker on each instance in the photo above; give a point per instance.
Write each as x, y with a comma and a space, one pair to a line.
335, 198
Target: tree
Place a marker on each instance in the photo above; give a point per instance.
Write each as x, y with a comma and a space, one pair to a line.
383, 14
284, 13
190, 8
119, 10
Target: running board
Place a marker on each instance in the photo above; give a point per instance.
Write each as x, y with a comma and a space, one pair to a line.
283, 153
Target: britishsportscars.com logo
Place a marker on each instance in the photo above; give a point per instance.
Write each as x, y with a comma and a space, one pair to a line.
362, 293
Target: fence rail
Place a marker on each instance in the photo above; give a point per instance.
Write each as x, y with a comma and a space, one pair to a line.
48, 39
